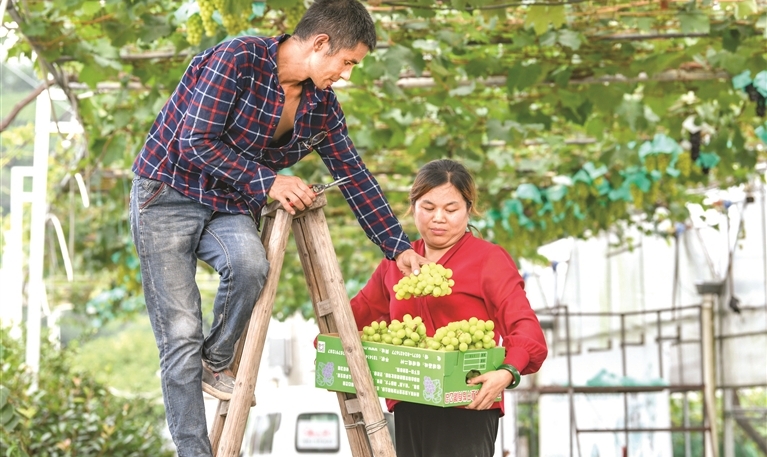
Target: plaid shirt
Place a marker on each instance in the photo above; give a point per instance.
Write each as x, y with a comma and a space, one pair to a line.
211, 141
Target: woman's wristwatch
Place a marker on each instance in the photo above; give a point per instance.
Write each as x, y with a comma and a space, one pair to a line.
516, 378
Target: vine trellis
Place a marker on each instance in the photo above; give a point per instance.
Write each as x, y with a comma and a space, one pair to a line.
574, 116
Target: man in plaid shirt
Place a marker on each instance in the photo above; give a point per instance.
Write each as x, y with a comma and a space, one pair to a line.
243, 110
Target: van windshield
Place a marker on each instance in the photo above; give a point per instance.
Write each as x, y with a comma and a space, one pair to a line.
318, 432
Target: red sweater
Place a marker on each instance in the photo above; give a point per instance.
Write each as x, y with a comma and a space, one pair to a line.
487, 286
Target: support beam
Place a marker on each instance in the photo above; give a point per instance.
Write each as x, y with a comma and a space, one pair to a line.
709, 293
36, 285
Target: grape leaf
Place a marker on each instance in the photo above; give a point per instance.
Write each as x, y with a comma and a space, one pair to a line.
523, 76
539, 17
694, 22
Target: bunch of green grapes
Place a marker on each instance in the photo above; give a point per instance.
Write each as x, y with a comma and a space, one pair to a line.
684, 164
235, 23
463, 335
207, 7
293, 16
194, 29
410, 332
581, 190
434, 280
663, 160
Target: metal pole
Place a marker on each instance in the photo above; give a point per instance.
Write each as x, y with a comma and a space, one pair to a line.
624, 372
36, 287
764, 239
13, 253
686, 413
729, 424
711, 444
570, 391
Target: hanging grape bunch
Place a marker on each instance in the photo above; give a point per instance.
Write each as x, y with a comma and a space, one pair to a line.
235, 15
461, 335
434, 280
194, 29
207, 7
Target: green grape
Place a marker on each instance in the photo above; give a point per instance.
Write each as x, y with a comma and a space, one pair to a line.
433, 280
461, 335
207, 8
684, 165
293, 15
194, 29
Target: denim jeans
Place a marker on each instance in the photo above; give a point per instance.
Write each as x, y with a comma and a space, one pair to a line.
171, 232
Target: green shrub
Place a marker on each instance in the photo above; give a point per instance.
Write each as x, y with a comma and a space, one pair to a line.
70, 414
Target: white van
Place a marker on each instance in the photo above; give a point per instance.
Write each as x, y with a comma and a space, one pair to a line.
298, 421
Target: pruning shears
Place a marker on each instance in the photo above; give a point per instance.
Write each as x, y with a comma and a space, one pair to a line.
320, 188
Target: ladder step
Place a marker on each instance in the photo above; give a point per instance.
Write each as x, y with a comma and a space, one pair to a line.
324, 308
353, 406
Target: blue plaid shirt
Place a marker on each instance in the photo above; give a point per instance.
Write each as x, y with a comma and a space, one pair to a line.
211, 141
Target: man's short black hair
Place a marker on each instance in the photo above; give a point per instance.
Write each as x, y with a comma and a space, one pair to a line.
346, 22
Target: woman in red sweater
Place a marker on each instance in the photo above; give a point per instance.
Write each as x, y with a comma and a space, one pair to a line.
487, 286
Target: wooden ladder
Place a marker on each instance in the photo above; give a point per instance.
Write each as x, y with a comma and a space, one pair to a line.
362, 413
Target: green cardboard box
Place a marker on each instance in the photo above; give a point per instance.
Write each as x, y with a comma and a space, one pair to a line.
416, 375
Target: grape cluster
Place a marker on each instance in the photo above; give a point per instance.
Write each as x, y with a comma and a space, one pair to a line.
292, 15
207, 7
194, 29
235, 15
234, 23
434, 280
463, 335
411, 332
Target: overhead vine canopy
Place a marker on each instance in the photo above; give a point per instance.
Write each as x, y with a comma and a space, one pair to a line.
572, 115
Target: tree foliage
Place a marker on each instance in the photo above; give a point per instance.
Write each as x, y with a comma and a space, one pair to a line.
68, 413
575, 117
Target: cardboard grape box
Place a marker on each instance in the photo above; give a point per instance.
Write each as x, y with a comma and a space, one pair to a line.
436, 378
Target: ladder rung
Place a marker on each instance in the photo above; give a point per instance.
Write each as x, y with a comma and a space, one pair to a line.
324, 307
353, 406
223, 408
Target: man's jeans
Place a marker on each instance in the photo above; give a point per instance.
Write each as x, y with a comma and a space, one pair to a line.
171, 232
